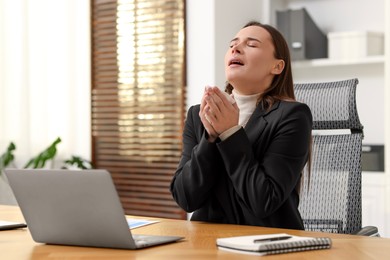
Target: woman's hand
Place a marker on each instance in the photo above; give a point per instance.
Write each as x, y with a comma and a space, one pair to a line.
217, 112
213, 135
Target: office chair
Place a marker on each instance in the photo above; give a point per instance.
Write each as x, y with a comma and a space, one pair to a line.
331, 197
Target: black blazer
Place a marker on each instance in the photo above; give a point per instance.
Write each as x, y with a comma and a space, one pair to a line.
252, 177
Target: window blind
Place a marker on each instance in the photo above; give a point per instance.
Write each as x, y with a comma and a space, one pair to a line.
138, 99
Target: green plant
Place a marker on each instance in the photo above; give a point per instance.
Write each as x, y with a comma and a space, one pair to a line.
78, 162
7, 157
48, 154
43, 157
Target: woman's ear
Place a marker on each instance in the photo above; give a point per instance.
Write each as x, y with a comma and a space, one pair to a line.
278, 67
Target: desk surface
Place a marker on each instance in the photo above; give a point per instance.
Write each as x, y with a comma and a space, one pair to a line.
199, 243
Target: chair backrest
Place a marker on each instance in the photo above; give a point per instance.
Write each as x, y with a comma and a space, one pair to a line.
331, 195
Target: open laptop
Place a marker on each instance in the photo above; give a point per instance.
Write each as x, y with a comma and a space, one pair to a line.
78, 208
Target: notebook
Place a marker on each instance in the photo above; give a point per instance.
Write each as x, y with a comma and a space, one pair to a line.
272, 244
78, 208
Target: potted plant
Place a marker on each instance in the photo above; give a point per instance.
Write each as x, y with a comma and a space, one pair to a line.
47, 155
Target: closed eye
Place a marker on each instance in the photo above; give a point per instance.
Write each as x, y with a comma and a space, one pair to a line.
252, 43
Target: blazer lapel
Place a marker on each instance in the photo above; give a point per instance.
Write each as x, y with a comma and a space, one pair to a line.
257, 122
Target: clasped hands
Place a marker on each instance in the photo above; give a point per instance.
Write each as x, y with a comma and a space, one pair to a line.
217, 112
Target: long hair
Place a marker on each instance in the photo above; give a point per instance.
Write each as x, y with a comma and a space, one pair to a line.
282, 87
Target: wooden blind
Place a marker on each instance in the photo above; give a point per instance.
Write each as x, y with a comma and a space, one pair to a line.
138, 99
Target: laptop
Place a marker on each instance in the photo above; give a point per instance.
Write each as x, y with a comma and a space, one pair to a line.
77, 208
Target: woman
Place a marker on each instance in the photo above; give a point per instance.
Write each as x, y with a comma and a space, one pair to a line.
242, 160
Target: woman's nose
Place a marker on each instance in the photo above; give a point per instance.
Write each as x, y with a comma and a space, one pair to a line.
236, 48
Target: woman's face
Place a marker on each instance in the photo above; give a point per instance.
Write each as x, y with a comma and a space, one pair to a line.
250, 64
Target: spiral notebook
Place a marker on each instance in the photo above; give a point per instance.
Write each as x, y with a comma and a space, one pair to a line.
272, 244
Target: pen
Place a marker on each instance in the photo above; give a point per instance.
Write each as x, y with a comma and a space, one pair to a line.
270, 239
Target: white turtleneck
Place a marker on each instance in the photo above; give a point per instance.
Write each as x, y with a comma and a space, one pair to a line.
246, 104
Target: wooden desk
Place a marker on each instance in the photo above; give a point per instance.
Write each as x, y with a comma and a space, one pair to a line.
199, 243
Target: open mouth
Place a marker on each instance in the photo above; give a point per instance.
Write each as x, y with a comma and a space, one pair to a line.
236, 62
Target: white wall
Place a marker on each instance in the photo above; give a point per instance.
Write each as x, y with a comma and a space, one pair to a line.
211, 24
200, 48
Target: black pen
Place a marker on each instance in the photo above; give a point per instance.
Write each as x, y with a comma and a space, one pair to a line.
270, 239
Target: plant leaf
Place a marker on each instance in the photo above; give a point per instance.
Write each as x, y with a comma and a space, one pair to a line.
48, 154
7, 157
